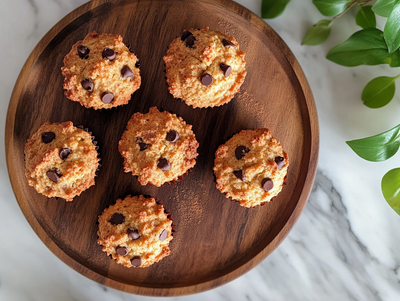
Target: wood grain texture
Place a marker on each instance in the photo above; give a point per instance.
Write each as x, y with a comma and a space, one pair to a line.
216, 240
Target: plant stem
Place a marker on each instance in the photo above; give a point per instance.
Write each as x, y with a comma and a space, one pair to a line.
347, 8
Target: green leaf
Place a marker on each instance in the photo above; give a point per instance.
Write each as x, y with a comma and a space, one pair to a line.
392, 29
364, 47
366, 17
391, 189
379, 92
331, 7
379, 147
318, 33
383, 8
273, 8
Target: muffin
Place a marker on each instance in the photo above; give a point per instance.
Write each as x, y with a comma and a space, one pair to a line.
136, 231
100, 72
251, 167
158, 147
204, 68
61, 160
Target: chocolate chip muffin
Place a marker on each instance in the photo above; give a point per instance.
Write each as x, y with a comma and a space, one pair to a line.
61, 160
251, 167
204, 68
135, 231
158, 147
100, 72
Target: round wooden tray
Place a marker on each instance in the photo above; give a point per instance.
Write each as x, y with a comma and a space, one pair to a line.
216, 240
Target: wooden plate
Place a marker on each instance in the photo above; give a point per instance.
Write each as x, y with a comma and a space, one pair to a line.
216, 240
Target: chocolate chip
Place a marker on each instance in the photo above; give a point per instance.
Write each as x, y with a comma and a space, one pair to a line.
280, 161
107, 97
240, 151
108, 53
47, 137
143, 146
163, 235
136, 261
54, 175
228, 43
172, 136
127, 72
123, 251
206, 79
163, 164
83, 52
190, 41
267, 184
117, 218
226, 69
185, 35
87, 84
133, 234
137, 65
129, 48
64, 153
240, 175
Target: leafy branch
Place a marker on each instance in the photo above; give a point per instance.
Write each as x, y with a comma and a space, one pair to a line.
368, 46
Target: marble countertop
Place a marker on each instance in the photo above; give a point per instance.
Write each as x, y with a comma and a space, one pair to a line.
345, 246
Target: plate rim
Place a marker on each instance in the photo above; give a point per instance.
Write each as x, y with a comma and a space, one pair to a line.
181, 290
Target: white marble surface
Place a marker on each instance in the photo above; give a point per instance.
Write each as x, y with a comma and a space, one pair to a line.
346, 243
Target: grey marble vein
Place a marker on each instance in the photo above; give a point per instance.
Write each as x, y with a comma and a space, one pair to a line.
35, 9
